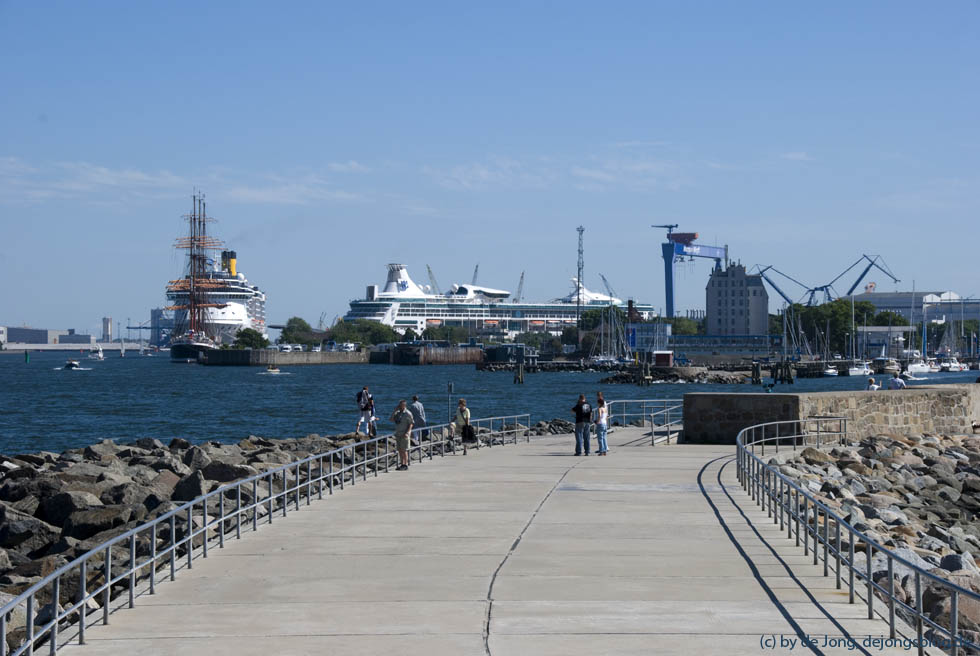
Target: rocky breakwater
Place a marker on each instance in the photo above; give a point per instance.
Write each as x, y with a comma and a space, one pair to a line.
919, 496
56, 507
675, 375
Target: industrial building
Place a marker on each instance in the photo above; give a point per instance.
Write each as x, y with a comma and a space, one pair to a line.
14, 335
106, 330
937, 306
736, 303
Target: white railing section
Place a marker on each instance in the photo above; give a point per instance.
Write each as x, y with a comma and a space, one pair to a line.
156, 550
821, 529
665, 415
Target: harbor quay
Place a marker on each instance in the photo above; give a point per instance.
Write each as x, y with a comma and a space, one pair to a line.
818, 539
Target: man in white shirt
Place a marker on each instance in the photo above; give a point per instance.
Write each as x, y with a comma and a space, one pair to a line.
872, 387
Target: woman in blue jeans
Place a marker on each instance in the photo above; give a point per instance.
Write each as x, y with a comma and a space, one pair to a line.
601, 425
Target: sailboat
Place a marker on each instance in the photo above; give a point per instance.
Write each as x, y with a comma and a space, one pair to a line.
122, 348
96, 353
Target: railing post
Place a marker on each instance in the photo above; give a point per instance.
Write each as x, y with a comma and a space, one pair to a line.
837, 550
891, 596
221, 521
132, 570
870, 552
319, 480
30, 625
850, 565
954, 623
82, 608
107, 592
918, 612
238, 511
255, 505
190, 536
153, 559
173, 547
204, 528
330, 470
55, 597
796, 515
806, 526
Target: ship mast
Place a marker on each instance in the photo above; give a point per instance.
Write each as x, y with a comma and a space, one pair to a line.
197, 283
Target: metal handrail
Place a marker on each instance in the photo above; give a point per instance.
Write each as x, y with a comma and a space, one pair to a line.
642, 410
788, 505
307, 477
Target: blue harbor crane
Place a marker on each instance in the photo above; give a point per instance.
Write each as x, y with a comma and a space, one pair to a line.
827, 291
678, 246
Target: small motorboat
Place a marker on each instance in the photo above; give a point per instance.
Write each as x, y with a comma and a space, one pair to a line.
831, 371
860, 369
72, 364
96, 353
272, 369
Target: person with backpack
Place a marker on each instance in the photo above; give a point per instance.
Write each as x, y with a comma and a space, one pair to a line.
583, 417
365, 402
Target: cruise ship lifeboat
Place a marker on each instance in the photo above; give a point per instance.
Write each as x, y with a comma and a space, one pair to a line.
433, 322
491, 322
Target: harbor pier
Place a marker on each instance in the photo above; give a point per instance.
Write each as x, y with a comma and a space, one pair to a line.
520, 548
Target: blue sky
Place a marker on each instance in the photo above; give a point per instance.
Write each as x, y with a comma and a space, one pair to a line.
333, 138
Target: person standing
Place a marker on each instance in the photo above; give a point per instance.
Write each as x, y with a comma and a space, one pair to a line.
896, 383
872, 387
583, 418
418, 418
365, 403
402, 419
461, 422
601, 425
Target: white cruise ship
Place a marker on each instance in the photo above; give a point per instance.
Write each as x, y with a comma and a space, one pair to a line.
403, 304
233, 304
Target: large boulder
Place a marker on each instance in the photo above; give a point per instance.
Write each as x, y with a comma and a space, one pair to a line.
23, 532
196, 458
815, 457
103, 448
190, 487
56, 509
224, 472
83, 524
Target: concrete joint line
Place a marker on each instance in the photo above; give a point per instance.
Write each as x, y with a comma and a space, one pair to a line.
513, 548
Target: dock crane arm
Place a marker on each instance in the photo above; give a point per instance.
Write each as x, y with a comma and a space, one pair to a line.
608, 287
762, 272
520, 290
432, 279
872, 262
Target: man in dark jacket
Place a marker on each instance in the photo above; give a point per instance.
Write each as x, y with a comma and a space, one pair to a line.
583, 421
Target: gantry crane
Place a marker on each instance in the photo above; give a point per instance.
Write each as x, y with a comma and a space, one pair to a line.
678, 246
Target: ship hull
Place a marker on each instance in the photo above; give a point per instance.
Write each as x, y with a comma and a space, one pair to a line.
189, 351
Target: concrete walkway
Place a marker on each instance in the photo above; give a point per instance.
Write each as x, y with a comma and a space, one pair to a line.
508, 551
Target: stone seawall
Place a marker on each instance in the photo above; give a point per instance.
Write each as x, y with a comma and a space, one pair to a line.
949, 409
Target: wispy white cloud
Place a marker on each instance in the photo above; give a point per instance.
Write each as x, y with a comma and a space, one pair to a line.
593, 174
640, 144
496, 172
28, 183
797, 156
943, 194
350, 166
278, 191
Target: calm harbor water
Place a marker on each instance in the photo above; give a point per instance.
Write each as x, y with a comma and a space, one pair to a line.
44, 407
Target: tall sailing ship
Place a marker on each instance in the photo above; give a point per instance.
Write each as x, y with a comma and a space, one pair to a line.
213, 301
